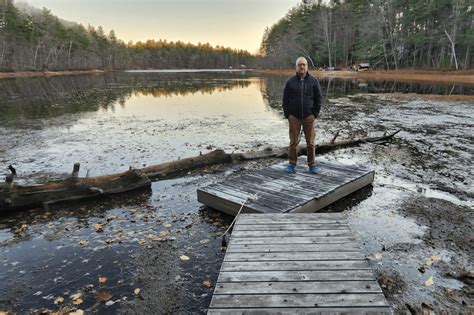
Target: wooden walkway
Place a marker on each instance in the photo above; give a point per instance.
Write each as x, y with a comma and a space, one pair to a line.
271, 190
295, 264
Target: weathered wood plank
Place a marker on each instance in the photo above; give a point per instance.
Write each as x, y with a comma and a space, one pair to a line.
292, 256
290, 226
276, 185
296, 275
281, 248
293, 240
300, 300
293, 233
287, 198
250, 200
294, 265
294, 218
228, 203
306, 310
309, 287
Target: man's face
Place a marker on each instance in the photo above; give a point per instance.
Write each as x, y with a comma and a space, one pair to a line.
301, 67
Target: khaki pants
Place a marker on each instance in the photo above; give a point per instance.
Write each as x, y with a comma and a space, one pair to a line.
309, 134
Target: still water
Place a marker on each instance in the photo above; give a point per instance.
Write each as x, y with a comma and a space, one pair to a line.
110, 122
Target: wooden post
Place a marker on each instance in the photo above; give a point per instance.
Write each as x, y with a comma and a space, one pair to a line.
75, 170
9, 183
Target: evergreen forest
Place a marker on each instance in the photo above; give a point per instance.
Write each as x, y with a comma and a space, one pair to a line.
392, 34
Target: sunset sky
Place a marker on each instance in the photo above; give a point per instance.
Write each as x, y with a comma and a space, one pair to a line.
230, 23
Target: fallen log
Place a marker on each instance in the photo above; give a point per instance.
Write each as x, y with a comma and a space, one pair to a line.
320, 148
13, 196
18, 197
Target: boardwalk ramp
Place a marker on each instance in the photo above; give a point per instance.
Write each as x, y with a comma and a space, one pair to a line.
295, 264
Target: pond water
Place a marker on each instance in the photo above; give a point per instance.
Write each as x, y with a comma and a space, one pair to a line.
109, 122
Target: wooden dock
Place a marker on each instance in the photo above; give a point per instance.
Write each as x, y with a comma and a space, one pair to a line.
295, 264
271, 190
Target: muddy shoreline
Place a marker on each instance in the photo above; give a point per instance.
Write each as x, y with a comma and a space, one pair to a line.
414, 76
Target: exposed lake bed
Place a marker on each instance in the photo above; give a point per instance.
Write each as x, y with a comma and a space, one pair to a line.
169, 247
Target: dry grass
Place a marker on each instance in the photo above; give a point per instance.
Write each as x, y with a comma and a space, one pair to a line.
418, 76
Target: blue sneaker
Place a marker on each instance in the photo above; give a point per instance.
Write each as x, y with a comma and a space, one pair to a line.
290, 169
313, 169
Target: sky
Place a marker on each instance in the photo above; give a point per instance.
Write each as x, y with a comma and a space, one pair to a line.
229, 23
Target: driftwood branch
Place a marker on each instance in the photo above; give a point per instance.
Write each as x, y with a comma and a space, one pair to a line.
13, 196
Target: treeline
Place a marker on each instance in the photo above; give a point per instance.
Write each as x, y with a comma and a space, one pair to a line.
35, 40
388, 34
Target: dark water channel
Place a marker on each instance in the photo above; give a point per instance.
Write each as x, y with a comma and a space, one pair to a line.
160, 250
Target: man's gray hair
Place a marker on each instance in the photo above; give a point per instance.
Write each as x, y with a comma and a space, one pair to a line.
301, 58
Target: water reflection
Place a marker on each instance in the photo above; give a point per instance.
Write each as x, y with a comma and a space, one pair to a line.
34, 98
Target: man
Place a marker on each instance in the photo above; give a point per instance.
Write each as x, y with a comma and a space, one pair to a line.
301, 105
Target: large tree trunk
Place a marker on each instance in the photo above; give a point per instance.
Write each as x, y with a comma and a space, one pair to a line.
17, 197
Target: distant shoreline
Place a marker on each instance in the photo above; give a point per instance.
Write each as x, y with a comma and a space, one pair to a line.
414, 76
32, 74
409, 76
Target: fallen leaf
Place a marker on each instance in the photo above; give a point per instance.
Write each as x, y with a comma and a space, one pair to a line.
59, 300
102, 279
136, 291
163, 233
77, 312
429, 281
142, 242
133, 210
207, 283
76, 296
428, 263
184, 257
204, 241
167, 225
103, 296
99, 227
83, 242
77, 301
109, 303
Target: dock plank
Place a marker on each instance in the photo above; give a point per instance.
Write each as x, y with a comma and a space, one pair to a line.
291, 287
294, 265
291, 233
290, 227
293, 240
300, 300
283, 248
296, 275
306, 310
292, 256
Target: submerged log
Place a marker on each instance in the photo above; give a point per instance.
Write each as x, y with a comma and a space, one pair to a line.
13, 196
